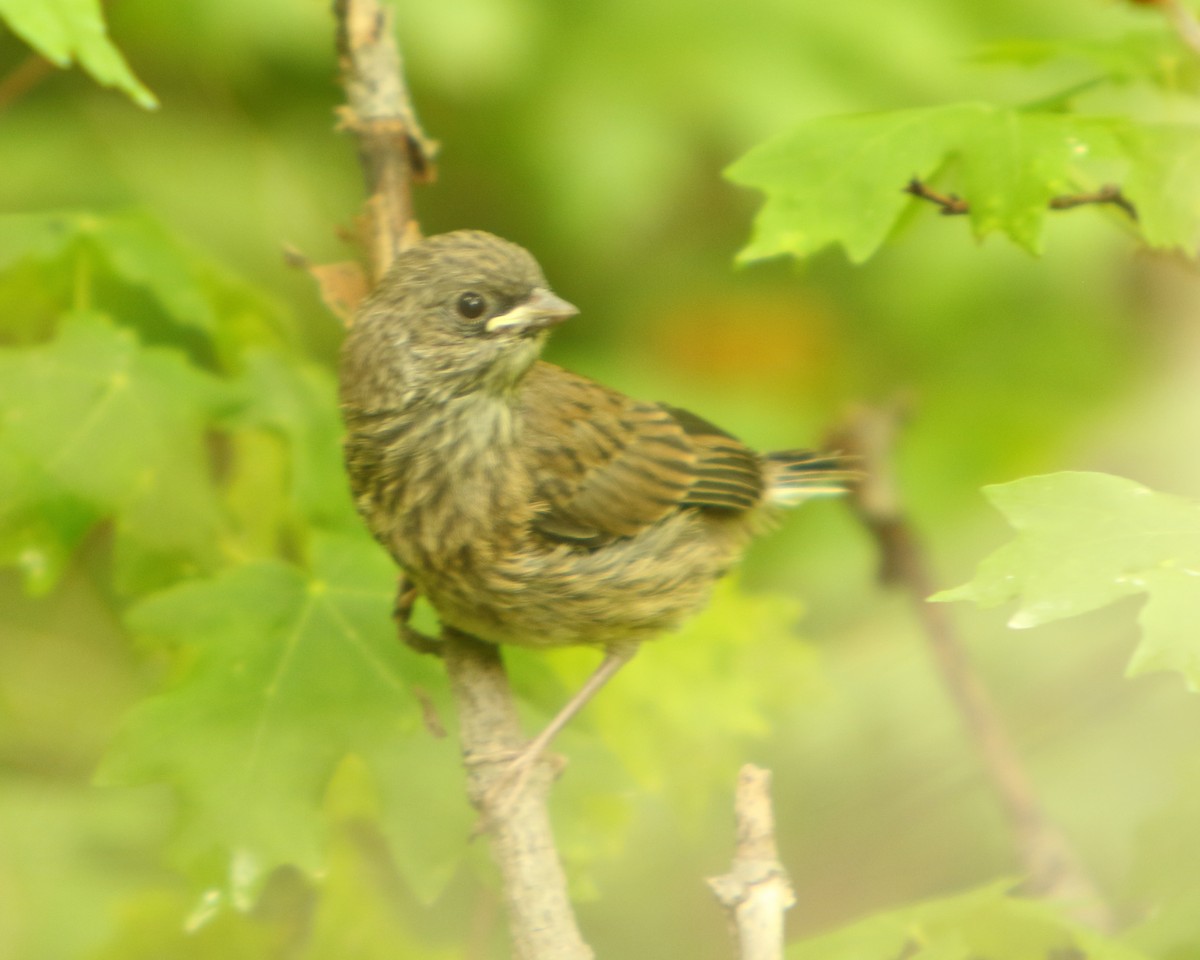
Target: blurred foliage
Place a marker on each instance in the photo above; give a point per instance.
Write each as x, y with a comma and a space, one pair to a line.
188, 597
985, 923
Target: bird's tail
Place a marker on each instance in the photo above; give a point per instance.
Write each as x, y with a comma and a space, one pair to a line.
794, 476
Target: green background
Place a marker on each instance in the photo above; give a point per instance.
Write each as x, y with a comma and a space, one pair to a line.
594, 133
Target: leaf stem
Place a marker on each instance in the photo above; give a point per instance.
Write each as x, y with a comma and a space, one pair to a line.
952, 205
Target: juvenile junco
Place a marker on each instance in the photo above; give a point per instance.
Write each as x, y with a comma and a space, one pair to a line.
529, 504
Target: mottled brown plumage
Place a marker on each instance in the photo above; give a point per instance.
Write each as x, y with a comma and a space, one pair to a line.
531, 505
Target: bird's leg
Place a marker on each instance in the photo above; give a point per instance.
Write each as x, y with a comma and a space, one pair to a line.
513, 781
406, 596
614, 659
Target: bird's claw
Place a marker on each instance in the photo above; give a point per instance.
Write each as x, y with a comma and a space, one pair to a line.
406, 597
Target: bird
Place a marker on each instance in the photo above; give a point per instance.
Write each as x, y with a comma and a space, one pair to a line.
530, 505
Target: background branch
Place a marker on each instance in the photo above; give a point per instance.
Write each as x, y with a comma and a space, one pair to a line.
756, 891
395, 153
1052, 868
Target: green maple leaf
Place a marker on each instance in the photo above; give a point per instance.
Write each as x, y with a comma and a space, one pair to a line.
191, 302
1085, 540
95, 426
67, 30
1164, 184
283, 674
841, 180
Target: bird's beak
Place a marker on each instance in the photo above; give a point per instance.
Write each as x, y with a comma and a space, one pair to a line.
540, 309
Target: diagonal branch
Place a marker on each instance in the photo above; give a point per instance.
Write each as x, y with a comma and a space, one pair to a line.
1053, 870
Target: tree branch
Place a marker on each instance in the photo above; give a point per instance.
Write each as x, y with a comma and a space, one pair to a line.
392, 148
952, 205
535, 889
756, 891
1053, 870
395, 153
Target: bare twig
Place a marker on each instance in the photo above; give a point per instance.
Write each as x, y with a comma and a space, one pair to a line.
394, 153
756, 891
1052, 868
952, 205
1109, 193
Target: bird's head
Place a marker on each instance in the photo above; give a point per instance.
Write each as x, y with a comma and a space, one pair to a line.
457, 314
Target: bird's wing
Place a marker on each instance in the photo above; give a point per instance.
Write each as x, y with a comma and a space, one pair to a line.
607, 466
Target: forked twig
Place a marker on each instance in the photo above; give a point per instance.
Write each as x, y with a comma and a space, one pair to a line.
756, 892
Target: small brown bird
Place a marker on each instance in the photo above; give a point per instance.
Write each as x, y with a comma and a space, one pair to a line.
531, 505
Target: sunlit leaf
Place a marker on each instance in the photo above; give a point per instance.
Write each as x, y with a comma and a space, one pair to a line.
1164, 184
841, 180
1085, 540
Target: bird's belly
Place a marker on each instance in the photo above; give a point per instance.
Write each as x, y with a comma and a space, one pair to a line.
552, 595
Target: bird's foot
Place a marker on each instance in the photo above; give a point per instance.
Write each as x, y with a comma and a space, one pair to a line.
406, 597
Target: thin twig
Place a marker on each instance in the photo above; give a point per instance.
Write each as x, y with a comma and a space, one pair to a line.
1053, 870
952, 205
756, 891
1109, 193
395, 153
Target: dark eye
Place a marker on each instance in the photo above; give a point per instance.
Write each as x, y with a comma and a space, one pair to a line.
471, 305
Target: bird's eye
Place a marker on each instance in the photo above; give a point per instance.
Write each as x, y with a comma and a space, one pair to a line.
471, 305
